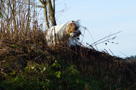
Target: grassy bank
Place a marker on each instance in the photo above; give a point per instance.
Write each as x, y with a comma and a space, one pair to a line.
27, 63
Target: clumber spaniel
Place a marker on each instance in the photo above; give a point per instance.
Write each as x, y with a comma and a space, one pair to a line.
66, 34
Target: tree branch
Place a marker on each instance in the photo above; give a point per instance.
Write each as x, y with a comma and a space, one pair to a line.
42, 1
54, 5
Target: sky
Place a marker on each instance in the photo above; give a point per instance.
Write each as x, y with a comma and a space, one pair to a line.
102, 18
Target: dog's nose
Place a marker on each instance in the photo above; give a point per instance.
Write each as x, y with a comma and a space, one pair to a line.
78, 33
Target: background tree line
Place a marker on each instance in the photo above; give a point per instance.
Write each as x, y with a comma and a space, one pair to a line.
132, 57
11, 10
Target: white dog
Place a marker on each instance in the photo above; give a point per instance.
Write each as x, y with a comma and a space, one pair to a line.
64, 34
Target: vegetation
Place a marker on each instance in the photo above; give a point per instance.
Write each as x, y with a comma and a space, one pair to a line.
26, 63
132, 58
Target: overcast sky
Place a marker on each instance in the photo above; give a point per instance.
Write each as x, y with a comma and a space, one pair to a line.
103, 17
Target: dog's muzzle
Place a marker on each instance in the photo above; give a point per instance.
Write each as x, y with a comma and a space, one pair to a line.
75, 34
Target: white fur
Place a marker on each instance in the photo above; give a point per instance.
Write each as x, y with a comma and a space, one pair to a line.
57, 35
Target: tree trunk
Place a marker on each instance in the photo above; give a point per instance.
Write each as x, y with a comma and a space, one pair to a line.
7, 14
49, 12
1, 8
14, 15
28, 19
46, 17
7, 17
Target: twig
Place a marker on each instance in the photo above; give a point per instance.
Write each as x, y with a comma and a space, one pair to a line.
90, 35
96, 42
91, 46
123, 54
106, 51
111, 52
131, 86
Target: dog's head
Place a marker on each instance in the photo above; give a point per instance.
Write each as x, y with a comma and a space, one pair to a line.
72, 29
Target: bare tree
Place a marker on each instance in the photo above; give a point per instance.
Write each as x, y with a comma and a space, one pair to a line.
11, 11
2, 6
49, 12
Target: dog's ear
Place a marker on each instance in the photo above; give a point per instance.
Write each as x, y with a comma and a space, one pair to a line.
77, 24
70, 28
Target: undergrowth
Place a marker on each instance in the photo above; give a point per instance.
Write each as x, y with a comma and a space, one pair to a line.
49, 79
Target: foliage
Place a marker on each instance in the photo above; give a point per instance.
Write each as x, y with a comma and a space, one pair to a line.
132, 57
39, 77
